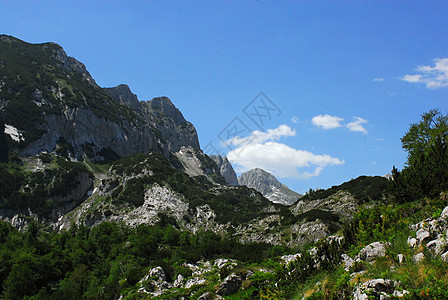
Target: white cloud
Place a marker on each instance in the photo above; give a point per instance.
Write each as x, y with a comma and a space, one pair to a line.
357, 125
260, 151
295, 120
434, 77
260, 137
327, 121
380, 79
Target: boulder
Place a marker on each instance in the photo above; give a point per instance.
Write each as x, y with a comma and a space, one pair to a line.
194, 281
412, 242
179, 281
230, 285
422, 234
157, 272
379, 289
373, 251
290, 258
444, 256
437, 246
347, 261
444, 214
419, 257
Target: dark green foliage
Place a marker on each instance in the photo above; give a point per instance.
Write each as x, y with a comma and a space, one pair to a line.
108, 155
327, 217
133, 192
363, 188
21, 190
3, 143
100, 262
425, 172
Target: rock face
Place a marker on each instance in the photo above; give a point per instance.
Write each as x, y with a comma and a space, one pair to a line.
65, 108
123, 95
226, 169
269, 186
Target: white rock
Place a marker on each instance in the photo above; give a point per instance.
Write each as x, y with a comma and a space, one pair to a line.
313, 251
444, 214
412, 242
422, 234
194, 281
348, 261
158, 272
444, 256
290, 258
179, 281
373, 251
400, 294
400, 258
419, 257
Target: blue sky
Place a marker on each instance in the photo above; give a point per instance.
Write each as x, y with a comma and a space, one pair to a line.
343, 79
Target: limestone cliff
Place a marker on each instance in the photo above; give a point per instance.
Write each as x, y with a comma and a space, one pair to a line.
226, 169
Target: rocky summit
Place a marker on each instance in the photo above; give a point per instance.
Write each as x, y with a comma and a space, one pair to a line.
269, 186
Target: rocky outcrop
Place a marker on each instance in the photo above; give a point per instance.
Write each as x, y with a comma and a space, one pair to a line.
225, 169
196, 163
379, 289
72, 65
123, 95
269, 186
230, 285
431, 233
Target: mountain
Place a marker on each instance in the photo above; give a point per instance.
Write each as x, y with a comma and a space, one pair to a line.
225, 169
80, 154
269, 186
51, 102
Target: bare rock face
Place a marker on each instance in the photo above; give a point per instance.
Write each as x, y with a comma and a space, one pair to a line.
373, 251
123, 95
269, 186
73, 65
226, 169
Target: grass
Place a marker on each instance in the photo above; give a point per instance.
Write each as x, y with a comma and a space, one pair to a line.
96, 168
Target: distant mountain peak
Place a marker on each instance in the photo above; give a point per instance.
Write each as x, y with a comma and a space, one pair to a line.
269, 186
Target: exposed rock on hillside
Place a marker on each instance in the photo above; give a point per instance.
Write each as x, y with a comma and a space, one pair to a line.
269, 186
226, 169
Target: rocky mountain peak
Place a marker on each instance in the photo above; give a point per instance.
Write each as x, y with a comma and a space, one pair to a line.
72, 65
164, 104
226, 169
123, 95
269, 186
